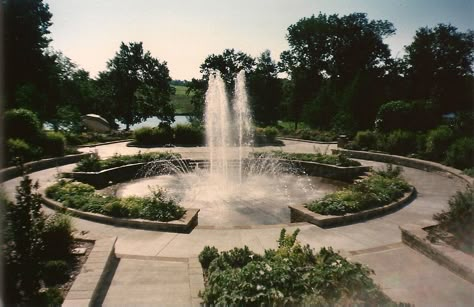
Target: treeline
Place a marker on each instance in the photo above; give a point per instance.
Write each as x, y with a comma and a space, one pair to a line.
338, 72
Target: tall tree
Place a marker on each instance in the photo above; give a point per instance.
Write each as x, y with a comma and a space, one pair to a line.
265, 90
229, 63
25, 31
440, 66
140, 85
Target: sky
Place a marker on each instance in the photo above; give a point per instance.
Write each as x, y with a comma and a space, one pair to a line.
184, 32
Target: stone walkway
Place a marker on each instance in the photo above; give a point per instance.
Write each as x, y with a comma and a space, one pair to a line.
153, 265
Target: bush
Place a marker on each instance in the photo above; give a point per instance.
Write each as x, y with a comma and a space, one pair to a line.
57, 236
116, 209
438, 141
55, 272
54, 144
270, 133
207, 255
19, 149
366, 140
153, 136
406, 115
188, 135
400, 142
461, 153
459, 218
89, 163
22, 124
50, 297
159, 207
291, 275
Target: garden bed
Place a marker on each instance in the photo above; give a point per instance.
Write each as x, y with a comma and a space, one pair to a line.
299, 213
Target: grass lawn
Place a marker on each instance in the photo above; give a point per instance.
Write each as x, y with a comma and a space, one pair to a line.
181, 101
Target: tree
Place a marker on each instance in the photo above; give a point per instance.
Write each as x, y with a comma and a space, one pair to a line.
333, 48
229, 63
140, 85
265, 90
25, 39
439, 66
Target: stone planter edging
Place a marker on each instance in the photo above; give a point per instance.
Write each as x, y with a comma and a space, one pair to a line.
184, 225
342, 173
104, 143
299, 213
34, 166
86, 287
308, 141
404, 161
454, 260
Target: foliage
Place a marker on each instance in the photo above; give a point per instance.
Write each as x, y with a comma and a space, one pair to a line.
88, 138
188, 135
180, 101
153, 136
461, 153
93, 163
406, 115
55, 272
438, 141
18, 149
338, 160
366, 140
469, 172
310, 134
399, 142
207, 255
290, 275
22, 124
54, 144
50, 297
23, 243
377, 190
57, 236
459, 217
140, 85
157, 207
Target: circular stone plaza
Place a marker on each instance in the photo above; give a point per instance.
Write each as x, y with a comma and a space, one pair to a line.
131, 267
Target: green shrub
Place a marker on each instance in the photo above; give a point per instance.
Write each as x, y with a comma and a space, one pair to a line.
116, 208
55, 272
207, 255
188, 135
51, 297
159, 207
54, 144
366, 140
461, 153
153, 136
406, 115
469, 172
400, 142
22, 124
377, 190
459, 218
438, 141
291, 275
89, 163
270, 133
57, 236
19, 149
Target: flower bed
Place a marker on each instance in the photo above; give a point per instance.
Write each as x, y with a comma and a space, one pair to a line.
290, 275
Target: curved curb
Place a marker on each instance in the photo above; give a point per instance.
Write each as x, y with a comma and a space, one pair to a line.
104, 143
34, 166
85, 289
184, 225
308, 141
404, 161
454, 260
299, 213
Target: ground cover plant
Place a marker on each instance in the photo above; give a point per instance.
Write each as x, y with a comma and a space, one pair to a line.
90, 138
457, 220
156, 207
291, 275
379, 189
338, 160
93, 163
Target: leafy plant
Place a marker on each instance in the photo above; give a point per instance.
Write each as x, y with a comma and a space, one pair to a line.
207, 255
57, 236
290, 275
55, 272
53, 144
461, 153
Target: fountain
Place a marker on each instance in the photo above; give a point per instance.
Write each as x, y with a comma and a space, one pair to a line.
232, 190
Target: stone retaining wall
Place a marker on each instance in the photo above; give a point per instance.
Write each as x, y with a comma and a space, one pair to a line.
299, 213
334, 172
404, 161
184, 225
456, 261
34, 166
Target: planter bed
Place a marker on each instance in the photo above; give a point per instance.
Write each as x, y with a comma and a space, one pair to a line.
299, 213
342, 173
184, 225
455, 260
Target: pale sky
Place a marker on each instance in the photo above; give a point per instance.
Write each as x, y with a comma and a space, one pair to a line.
183, 33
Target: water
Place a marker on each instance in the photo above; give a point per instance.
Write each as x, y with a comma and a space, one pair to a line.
154, 122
